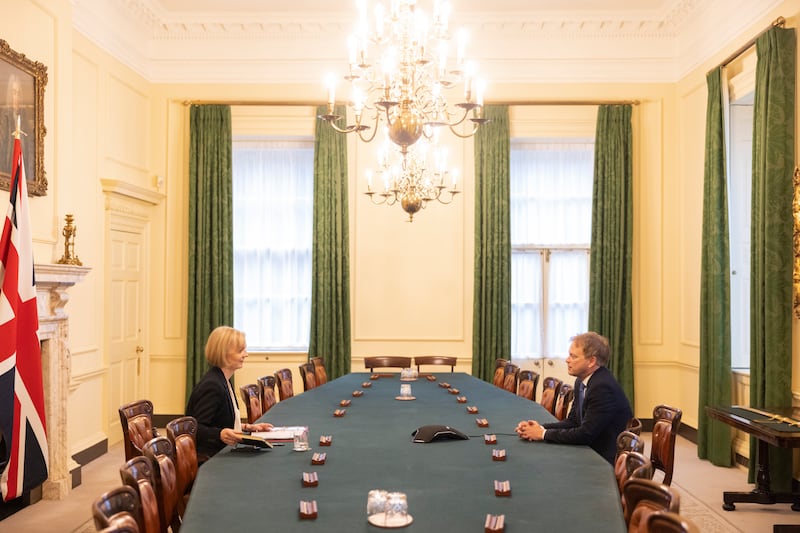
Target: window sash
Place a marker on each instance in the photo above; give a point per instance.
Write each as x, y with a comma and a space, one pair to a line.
273, 194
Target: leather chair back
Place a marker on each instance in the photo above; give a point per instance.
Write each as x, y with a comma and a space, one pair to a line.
139, 474
140, 430
319, 370
666, 421
528, 384
550, 389
308, 376
182, 432
387, 361
644, 497
127, 411
117, 510
499, 378
629, 442
267, 384
442, 360
564, 400
161, 452
510, 377
283, 378
251, 396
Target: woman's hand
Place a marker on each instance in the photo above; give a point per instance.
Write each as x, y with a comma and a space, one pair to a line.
229, 436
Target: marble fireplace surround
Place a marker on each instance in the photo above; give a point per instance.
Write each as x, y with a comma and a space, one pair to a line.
52, 283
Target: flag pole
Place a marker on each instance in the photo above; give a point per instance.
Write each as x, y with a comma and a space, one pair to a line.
18, 131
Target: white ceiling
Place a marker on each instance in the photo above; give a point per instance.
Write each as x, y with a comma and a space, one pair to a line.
513, 41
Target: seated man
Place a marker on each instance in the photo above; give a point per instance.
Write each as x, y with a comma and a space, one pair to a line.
601, 416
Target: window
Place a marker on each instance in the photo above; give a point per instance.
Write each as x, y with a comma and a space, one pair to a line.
551, 217
273, 190
740, 179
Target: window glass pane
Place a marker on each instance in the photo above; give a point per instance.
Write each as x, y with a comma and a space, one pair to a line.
551, 192
273, 183
568, 299
551, 215
526, 305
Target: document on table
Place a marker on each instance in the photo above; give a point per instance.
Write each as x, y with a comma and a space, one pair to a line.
280, 433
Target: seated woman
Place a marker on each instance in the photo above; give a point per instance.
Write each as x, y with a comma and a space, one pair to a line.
213, 402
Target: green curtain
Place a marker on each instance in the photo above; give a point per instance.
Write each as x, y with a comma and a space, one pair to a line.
771, 235
330, 285
714, 437
612, 240
491, 311
210, 291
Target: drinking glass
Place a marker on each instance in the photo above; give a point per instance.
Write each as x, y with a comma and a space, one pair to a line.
405, 390
396, 508
301, 441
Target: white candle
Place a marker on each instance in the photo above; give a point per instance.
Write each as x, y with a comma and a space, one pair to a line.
462, 45
331, 82
369, 179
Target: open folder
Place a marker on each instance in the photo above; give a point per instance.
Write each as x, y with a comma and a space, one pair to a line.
280, 433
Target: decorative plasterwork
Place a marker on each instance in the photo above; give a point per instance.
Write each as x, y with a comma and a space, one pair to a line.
262, 45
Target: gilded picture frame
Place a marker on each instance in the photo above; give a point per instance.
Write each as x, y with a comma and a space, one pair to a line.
22, 83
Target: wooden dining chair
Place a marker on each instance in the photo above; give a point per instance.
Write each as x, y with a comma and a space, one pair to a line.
139, 474
499, 377
510, 377
143, 428
267, 386
319, 370
528, 383
182, 432
308, 376
564, 400
387, 361
631, 465
550, 389
666, 421
629, 442
118, 510
251, 396
644, 497
161, 452
443, 360
283, 379
666, 522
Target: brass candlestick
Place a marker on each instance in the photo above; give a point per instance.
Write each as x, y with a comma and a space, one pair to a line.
69, 231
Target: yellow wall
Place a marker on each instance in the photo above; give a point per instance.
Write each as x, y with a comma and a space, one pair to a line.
411, 283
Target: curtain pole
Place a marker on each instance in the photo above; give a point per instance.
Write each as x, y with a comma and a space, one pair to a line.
778, 22
499, 102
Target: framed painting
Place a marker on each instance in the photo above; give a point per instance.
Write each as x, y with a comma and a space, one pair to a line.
22, 84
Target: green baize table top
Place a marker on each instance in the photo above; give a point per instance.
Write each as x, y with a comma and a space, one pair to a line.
450, 484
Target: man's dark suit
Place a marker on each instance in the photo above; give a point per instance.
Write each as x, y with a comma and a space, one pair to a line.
606, 411
210, 403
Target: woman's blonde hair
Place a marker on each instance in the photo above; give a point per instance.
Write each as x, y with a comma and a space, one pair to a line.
219, 344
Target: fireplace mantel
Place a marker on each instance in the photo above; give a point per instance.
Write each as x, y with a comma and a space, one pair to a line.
52, 283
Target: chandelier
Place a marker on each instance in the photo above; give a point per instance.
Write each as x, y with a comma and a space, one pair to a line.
400, 71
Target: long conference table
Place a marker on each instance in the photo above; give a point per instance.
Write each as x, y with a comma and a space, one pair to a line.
450, 484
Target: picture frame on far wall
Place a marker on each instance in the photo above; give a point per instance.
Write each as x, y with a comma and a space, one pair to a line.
22, 83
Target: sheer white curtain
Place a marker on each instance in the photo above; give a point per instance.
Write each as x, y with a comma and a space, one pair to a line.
273, 182
551, 216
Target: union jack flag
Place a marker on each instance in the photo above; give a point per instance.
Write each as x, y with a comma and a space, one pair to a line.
22, 423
